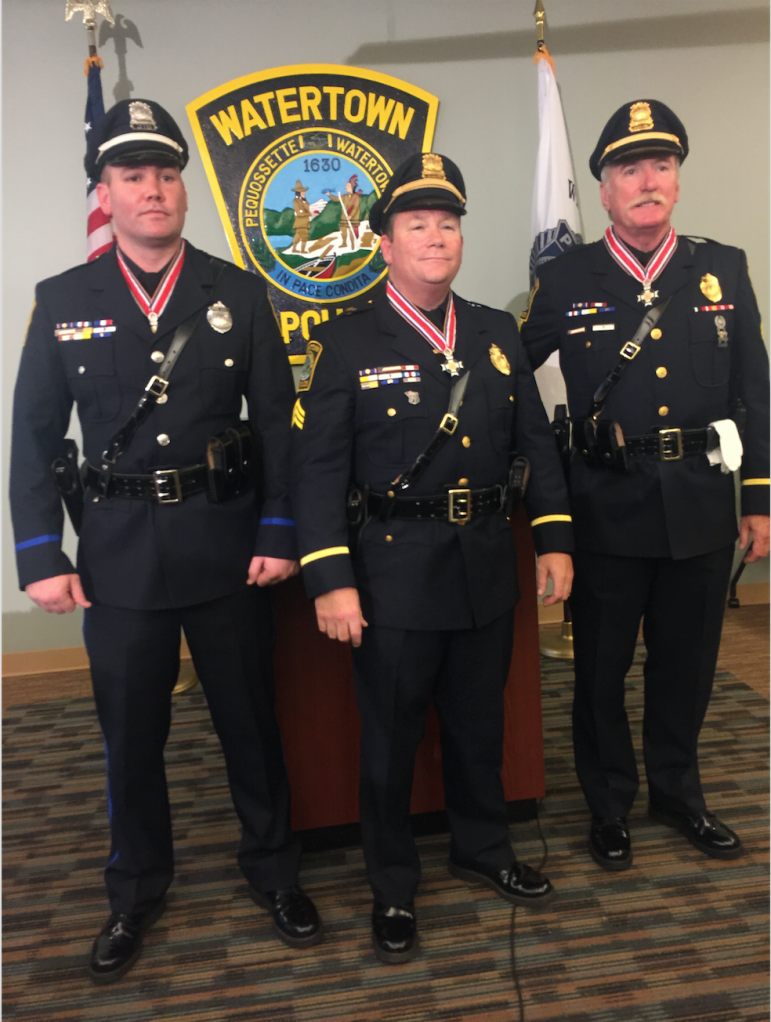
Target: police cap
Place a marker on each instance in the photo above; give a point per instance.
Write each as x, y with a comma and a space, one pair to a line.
423, 181
133, 132
644, 126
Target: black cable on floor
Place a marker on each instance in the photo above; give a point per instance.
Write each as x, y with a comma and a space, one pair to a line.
513, 928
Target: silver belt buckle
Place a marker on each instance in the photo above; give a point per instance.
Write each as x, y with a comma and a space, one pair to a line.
665, 451
165, 477
456, 514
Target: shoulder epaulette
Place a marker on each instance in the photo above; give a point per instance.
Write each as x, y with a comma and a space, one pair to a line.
701, 241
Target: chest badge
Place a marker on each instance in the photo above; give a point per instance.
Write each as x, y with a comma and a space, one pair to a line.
220, 318
499, 360
412, 396
710, 287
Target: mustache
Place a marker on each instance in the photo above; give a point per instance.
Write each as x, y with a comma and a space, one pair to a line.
650, 197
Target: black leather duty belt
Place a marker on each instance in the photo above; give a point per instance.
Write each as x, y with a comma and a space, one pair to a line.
456, 505
674, 444
164, 486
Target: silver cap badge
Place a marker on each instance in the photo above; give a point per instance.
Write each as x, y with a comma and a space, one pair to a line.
141, 117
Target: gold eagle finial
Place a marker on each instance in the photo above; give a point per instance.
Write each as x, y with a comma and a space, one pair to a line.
90, 9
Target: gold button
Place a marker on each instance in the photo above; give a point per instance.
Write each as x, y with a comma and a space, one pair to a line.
392, 411
655, 333
663, 410
389, 539
588, 344
661, 372
81, 369
466, 441
157, 356
511, 397
228, 362
463, 482
163, 439
390, 493
162, 399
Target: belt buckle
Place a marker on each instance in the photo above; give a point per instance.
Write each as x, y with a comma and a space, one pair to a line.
164, 475
449, 423
667, 436
157, 386
458, 515
630, 350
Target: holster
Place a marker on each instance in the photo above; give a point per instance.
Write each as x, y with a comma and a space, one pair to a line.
601, 444
231, 463
561, 429
519, 475
356, 513
69, 482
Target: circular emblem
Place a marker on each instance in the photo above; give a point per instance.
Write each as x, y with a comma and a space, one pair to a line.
304, 215
219, 317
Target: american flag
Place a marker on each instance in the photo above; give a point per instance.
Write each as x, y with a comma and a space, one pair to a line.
99, 236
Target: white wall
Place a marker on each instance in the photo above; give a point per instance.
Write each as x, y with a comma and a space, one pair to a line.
706, 58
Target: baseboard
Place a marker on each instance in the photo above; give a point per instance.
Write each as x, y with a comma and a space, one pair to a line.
49, 661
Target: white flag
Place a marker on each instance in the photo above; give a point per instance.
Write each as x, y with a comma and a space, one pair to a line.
555, 222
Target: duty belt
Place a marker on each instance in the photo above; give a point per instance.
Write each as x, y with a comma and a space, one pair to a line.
673, 444
164, 485
456, 505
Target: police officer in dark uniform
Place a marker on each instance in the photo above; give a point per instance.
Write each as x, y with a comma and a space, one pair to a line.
426, 589
168, 541
654, 409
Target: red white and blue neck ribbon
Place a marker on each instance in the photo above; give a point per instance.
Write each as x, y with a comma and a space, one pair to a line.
441, 341
153, 307
631, 265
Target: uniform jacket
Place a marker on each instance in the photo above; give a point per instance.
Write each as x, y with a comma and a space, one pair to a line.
427, 574
134, 553
685, 378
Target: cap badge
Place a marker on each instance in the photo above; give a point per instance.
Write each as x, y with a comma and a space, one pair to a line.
219, 317
433, 167
710, 287
640, 117
499, 360
412, 396
141, 117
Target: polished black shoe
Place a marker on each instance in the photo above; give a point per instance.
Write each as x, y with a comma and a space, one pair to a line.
119, 943
609, 843
394, 933
519, 884
295, 918
703, 830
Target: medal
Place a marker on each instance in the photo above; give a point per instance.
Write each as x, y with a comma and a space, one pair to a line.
154, 307
444, 343
646, 275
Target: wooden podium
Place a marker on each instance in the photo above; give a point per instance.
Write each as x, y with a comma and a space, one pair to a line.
319, 720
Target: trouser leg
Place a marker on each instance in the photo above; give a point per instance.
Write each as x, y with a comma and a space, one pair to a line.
469, 701
134, 659
683, 620
231, 642
608, 599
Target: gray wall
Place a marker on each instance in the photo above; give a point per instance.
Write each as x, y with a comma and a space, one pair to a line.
708, 59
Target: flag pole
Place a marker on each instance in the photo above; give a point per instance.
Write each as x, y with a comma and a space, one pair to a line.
540, 21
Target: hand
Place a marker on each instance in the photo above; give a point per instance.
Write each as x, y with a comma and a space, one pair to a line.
559, 568
60, 594
338, 613
267, 571
755, 528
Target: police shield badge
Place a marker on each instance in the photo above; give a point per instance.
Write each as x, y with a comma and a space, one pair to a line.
296, 157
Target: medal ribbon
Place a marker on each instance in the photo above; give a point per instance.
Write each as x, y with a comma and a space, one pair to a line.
443, 342
153, 307
646, 275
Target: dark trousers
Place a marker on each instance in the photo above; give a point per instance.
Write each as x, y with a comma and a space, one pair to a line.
681, 604
134, 658
397, 675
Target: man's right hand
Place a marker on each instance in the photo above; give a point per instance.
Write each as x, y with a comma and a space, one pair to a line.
338, 613
58, 595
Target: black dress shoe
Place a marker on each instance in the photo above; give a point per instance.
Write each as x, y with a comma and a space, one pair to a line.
295, 918
609, 843
519, 884
119, 943
703, 830
394, 933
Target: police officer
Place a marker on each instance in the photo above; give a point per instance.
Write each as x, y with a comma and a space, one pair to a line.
654, 407
426, 592
165, 544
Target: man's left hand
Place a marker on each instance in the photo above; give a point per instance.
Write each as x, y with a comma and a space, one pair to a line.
558, 568
755, 528
267, 571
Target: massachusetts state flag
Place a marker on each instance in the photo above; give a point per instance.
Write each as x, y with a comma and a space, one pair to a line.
99, 237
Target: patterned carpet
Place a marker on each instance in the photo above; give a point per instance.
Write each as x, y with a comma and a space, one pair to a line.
678, 937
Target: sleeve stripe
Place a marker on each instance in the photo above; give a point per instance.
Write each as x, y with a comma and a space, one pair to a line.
330, 551
37, 541
756, 482
277, 521
551, 518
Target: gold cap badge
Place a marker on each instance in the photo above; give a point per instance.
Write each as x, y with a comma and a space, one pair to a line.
433, 167
640, 117
710, 287
499, 360
219, 317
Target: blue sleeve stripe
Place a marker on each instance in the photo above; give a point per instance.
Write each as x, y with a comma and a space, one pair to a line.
277, 521
37, 541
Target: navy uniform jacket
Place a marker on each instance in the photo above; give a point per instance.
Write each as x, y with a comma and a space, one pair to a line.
134, 553
685, 378
430, 574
